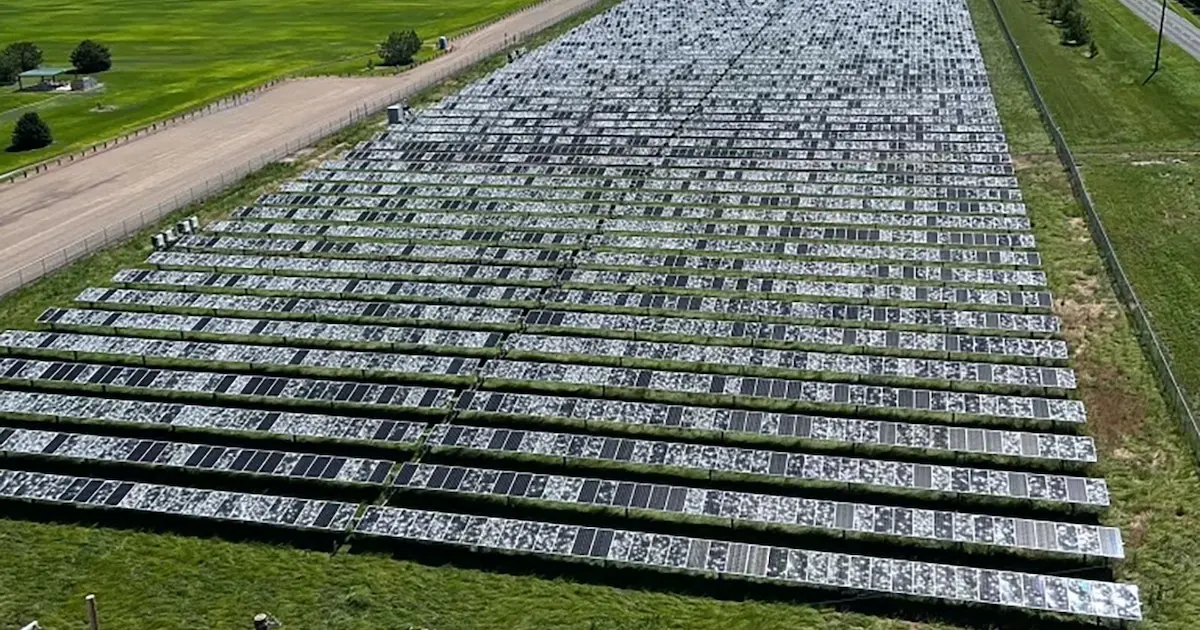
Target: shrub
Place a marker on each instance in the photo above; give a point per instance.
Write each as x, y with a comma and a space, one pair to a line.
27, 54
90, 57
399, 47
31, 132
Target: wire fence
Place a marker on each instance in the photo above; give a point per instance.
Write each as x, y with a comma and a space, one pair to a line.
1155, 350
119, 232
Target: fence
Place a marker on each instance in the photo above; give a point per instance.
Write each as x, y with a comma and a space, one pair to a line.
1156, 352
118, 232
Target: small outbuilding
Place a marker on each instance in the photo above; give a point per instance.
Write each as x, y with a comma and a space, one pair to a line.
48, 78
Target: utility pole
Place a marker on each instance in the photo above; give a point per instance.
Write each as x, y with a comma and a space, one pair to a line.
1162, 19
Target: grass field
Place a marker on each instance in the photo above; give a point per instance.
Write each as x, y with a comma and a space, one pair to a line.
172, 56
1140, 150
147, 580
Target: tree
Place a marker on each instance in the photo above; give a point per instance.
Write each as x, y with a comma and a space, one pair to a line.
90, 57
1061, 8
1076, 29
9, 68
27, 54
399, 47
31, 132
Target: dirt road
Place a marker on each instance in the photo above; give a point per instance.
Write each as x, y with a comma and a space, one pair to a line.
42, 215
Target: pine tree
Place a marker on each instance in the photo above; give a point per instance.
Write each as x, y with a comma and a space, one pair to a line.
31, 132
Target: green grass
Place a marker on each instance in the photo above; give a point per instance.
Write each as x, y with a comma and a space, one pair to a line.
1138, 149
1101, 103
1151, 208
172, 56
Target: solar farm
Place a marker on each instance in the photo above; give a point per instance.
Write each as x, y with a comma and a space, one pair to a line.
687, 287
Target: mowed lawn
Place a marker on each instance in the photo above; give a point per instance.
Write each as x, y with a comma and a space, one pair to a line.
1140, 150
170, 56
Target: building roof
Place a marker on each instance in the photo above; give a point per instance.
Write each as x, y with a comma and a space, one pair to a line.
46, 72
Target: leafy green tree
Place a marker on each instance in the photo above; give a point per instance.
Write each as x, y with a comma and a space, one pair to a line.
31, 132
1059, 9
90, 57
9, 68
1076, 30
27, 54
399, 47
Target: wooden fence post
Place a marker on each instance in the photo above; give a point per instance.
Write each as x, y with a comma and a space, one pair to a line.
93, 617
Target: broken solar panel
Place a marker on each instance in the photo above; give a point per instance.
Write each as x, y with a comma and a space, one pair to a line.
53, 406
299, 286
288, 331
783, 333
786, 268
801, 467
819, 188
376, 250
194, 351
176, 501
754, 308
193, 457
732, 506
813, 568
604, 278
746, 360
367, 268
920, 436
222, 385
798, 392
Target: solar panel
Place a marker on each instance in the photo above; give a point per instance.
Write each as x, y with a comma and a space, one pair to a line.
732, 506
957, 584
833, 429
287, 331
216, 384
810, 468
99, 448
264, 355
797, 253
54, 407
149, 498
794, 390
